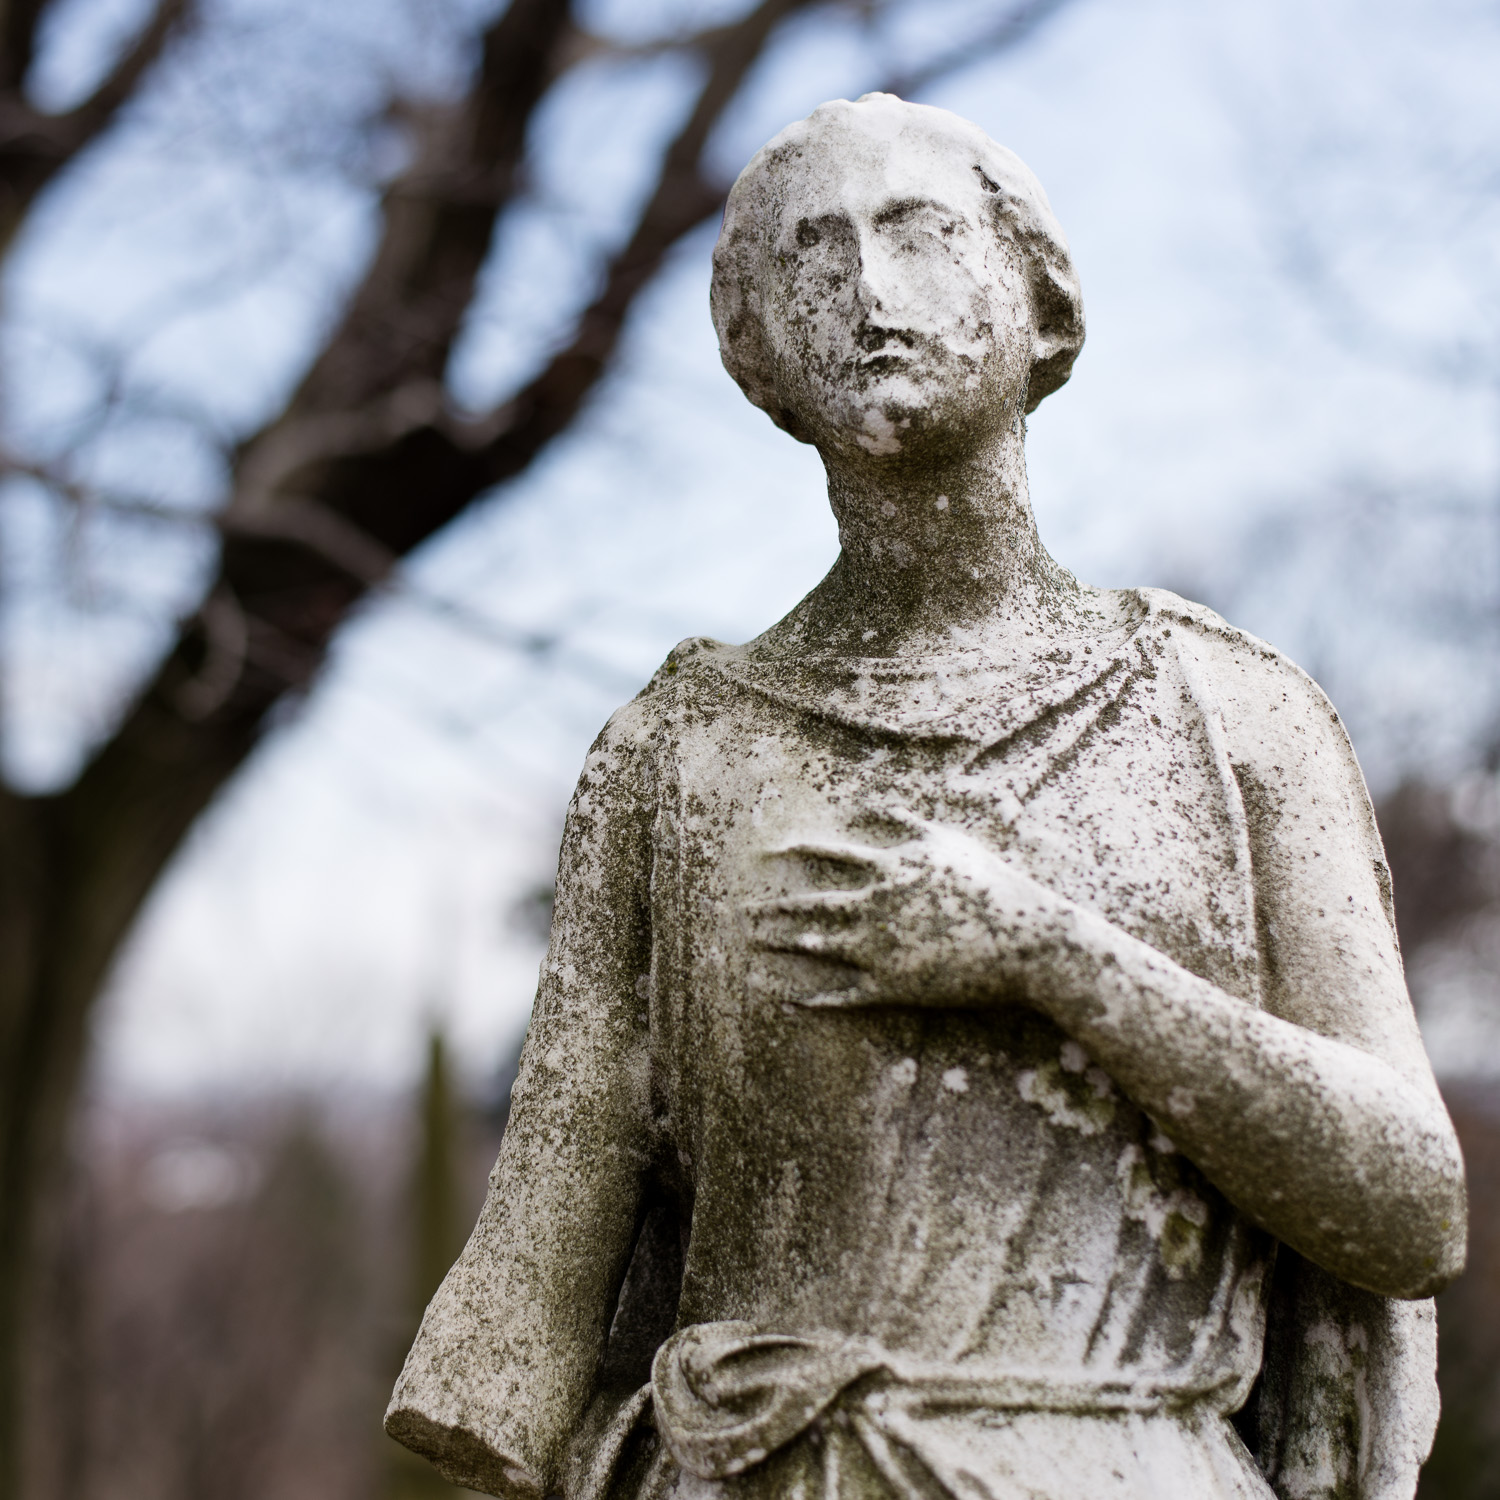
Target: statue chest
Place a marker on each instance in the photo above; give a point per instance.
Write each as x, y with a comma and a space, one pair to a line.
1109, 786
966, 1179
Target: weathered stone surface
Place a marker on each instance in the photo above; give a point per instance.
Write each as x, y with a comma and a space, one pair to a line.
972, 1057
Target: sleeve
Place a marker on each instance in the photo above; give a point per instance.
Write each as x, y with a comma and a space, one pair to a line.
508, 1352
1347, 1403
1325, 924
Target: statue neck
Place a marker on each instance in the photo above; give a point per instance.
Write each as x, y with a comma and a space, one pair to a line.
935, 555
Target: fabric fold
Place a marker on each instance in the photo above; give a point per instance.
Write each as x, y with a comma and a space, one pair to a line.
728, 1395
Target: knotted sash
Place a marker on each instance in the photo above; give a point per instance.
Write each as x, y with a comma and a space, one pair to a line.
728, 1395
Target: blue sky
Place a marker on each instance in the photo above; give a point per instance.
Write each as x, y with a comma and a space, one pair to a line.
1289, 403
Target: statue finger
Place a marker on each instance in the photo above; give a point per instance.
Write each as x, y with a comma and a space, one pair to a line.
781, 926
849, 945
834, 851
785, 935
811, 905
865, 993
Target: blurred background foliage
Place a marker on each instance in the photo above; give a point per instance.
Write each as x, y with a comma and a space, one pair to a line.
363, 443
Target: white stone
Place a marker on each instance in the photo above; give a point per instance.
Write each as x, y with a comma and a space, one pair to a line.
1024, 1071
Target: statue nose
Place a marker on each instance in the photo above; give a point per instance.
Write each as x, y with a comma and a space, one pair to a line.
879, 288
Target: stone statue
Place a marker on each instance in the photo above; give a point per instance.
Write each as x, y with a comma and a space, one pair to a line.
972, 1058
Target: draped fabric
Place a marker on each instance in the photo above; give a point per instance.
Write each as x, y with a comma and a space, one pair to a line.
734, 1411
900, 1217
915, 1251
726, 1396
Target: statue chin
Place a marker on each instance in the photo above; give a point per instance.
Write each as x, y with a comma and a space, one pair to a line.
892, 421
913, 412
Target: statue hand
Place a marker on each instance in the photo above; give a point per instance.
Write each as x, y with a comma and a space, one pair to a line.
940, 919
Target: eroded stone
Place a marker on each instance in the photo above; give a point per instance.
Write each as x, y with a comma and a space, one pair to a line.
972, 1057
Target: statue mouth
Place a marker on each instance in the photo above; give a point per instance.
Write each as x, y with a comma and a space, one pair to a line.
881, 342
904, 352
887, 362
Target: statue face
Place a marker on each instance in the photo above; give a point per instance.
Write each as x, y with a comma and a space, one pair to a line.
898, 322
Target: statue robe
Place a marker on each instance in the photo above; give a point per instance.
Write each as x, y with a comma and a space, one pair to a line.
744, 1242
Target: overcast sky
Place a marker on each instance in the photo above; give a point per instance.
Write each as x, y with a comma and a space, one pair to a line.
1283, 216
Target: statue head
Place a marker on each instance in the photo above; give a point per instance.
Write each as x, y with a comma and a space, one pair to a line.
889, 279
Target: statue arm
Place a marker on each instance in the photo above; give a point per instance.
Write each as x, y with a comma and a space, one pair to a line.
1318, 1115
508, 1351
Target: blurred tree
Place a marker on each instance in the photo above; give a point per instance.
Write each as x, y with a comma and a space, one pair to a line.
438, 1219
367, 459
226, 1350
1465, 1462
1386, 221
1445, 867
439, 1228
36, 144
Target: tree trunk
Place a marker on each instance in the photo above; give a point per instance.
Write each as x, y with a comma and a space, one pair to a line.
365, 464
326, 500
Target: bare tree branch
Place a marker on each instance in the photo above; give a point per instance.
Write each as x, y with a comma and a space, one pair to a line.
36, 146
1009, 31
84, 122
18, 24
683, 198
439, 219
365, 463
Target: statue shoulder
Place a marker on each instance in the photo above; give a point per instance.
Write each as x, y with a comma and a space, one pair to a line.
684, 661
692, 666
1290, 752
1249, 680
1286, 740
1203, 625
635, 726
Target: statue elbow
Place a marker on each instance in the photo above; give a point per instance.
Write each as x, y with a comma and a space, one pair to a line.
1445, 1253
1430, 1243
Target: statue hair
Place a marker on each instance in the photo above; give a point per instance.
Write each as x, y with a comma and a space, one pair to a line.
1018, 211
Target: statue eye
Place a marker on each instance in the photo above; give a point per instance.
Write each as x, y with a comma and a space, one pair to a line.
807, 233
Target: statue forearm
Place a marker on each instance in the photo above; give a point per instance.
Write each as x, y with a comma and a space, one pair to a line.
1324, 1145
1327, 1145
